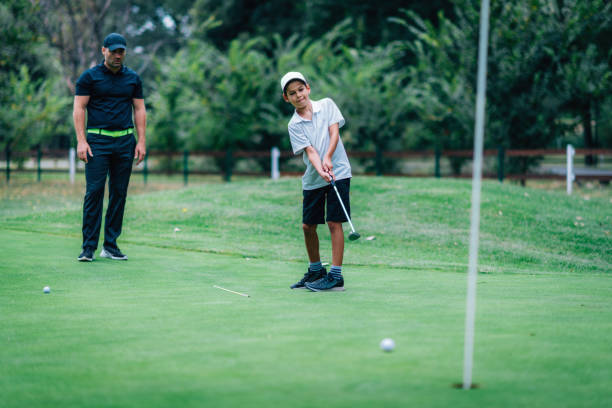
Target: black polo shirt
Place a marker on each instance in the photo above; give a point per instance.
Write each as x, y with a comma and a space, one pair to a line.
110, 96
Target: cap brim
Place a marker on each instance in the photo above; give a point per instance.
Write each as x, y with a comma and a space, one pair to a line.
291, 80
115, 46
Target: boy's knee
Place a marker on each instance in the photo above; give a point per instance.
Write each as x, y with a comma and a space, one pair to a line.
333, 225
309, 228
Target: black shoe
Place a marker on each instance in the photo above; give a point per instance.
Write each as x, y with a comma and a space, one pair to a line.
87, 255
113, 253
309, 276
327, 283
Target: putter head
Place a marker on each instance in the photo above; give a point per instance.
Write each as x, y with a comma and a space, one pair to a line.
354, 236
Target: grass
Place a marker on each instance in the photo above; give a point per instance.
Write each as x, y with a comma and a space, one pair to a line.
153, 331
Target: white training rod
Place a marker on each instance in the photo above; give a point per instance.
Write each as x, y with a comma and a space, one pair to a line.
231, 291
470, 312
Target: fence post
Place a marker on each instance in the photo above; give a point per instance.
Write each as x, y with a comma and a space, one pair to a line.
570, 176
228, 165
185, 166
378, 161
38, 159
72, 163
501, 158
274, 156
8, 163
145, 169
437, 165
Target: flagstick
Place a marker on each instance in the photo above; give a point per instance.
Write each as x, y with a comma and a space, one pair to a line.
470, 310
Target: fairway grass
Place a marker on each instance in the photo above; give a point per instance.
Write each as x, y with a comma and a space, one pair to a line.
155, 332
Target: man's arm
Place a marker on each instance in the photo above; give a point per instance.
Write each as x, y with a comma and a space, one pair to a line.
314, 158
140, 119
78, 115
334, 136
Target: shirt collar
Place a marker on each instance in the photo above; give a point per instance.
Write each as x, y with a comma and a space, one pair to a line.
106, 70
316, 108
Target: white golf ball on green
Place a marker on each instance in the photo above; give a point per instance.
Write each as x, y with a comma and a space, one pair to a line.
47, 289
387, 344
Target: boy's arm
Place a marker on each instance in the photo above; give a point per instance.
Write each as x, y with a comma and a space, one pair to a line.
314, 158
334, 136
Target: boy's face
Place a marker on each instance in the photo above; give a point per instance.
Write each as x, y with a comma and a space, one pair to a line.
297, 94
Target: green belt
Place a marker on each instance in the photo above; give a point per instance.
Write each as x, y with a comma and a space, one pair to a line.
113, 133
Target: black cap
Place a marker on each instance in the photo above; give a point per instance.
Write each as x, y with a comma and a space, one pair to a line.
114, 41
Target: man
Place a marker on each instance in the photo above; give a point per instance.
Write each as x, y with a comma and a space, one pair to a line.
108, 92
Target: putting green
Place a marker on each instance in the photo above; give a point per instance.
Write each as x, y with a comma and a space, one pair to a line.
154, 331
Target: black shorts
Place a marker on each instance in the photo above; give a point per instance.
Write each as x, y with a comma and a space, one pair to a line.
313, 207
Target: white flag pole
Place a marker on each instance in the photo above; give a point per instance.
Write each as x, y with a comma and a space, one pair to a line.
470, 312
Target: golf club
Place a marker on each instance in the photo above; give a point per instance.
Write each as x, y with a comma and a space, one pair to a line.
354, 235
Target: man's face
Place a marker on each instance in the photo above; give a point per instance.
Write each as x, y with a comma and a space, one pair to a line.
297, 94
113, 59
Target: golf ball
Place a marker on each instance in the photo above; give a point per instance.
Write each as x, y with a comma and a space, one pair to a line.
387, 344
46, 289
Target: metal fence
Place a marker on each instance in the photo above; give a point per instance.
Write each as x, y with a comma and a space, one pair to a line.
277, 163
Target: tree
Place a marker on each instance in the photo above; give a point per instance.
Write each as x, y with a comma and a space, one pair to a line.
538, 71
584, 60
307, 19
211, 100
77, 28
31, 105
32, 113
545, 69
441, 82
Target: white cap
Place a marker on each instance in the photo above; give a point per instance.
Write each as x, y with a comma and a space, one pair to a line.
290, 76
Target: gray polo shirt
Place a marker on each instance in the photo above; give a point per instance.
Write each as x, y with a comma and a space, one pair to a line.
315, 133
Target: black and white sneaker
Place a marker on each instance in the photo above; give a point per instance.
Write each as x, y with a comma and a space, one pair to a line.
327, 283
87, 255
309, 276
113, 253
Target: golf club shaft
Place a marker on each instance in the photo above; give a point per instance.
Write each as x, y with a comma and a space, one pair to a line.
342, 204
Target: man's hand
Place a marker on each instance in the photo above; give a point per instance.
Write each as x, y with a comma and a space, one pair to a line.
140, 152
83, 150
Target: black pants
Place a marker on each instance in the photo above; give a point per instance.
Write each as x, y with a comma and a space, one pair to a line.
112, 157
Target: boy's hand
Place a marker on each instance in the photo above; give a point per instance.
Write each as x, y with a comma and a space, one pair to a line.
328, 176
325, 176
327, 164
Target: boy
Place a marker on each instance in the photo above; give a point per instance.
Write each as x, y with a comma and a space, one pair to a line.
314, 132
